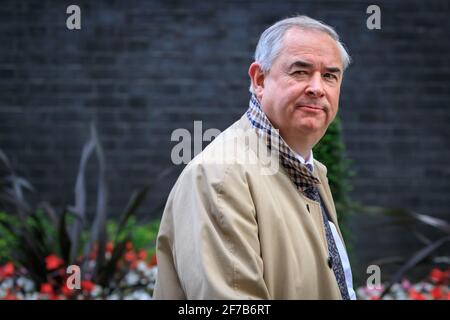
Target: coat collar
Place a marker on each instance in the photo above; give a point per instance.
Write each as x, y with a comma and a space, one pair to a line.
298, 172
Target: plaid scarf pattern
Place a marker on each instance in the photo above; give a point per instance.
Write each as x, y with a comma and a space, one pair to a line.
298, 172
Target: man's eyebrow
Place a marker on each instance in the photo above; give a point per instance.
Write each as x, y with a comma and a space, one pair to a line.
300, 64
333, 70
304, 64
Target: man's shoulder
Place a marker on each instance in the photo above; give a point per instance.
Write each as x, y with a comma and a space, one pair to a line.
227, 148
229, 154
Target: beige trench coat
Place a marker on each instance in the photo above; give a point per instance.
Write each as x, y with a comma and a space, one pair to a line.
230, 232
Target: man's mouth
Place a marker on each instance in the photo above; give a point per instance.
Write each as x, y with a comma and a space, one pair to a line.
311, 107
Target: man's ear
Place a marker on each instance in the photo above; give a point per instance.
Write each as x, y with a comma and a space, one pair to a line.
257, 78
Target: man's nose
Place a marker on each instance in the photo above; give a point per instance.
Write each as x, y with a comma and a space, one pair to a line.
315, 86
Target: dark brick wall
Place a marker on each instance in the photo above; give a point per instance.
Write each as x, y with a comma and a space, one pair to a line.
141, 69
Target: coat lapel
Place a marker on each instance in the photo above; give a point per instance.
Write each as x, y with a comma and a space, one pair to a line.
326, 195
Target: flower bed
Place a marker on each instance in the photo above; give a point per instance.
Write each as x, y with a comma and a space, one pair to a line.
134, 279
435, 287
136, 276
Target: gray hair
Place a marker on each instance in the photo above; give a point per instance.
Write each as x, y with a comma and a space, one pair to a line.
270, 43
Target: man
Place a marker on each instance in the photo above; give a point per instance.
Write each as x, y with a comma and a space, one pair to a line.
230, 229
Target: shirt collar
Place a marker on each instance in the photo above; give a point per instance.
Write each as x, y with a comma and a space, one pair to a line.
292, 162
310, 161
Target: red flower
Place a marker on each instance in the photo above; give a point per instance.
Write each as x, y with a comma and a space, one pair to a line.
109, 247
87, 285
46, 288
414, 295
437, 276
153, 261
436, 293
8, 270
142, 254
66, 291
10, 296
53, 262
130, 256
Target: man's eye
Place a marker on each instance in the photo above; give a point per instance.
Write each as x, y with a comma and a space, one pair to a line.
299, 72
330, 76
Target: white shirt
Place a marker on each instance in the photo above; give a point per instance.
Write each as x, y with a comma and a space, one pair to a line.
337, 239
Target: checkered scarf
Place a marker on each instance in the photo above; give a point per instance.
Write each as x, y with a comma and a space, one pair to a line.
298, 172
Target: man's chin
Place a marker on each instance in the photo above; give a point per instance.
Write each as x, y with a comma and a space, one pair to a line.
311, 126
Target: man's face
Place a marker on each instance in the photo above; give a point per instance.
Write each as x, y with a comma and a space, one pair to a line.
300, 93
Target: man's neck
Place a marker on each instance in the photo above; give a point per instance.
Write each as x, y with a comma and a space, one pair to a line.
305, 154
302, 147
308, 157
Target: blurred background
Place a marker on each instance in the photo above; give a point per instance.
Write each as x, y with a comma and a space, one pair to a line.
141, 69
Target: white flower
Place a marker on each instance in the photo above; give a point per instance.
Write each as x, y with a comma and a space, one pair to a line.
96, 291
152, 273
26, 284
402, 296
142, 266
7, 284
141, 295
114, 296
32, 296
132, 278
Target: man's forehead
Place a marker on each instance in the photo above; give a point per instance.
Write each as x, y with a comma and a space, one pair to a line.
296, 33
311, 45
